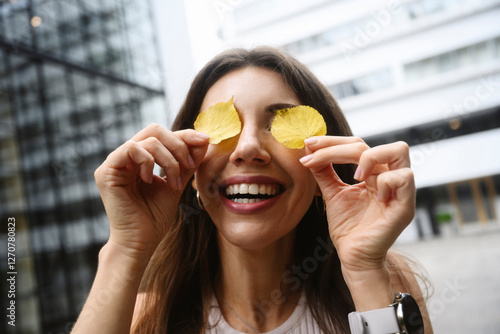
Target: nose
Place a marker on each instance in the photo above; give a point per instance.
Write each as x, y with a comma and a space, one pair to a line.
250, 148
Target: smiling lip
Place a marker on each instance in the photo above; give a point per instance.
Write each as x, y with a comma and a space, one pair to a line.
249, 208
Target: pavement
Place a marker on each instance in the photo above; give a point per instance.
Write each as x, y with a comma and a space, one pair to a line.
464, 270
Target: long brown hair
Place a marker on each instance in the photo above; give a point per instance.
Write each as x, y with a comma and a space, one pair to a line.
180, 278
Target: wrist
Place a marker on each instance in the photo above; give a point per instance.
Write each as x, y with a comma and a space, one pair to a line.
128, 261
370, 289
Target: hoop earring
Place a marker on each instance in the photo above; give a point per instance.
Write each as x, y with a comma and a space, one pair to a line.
321, 212
199, 201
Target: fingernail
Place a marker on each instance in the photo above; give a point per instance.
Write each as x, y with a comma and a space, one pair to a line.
179, 183
357, 173
190, 162
202, 135
306, 158
310, 140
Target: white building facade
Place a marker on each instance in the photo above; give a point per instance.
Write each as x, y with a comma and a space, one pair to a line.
423, 71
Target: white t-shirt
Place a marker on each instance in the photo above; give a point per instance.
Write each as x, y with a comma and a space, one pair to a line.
300, 322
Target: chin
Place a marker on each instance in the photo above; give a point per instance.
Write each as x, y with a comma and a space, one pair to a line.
251, 236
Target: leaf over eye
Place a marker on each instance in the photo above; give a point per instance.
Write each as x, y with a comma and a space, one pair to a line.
220, 122
291, 126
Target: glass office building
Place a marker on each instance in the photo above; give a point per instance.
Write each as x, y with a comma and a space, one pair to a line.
76, 79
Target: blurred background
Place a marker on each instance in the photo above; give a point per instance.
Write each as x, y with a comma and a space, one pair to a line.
78, 78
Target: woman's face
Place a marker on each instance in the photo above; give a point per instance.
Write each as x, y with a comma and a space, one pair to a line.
255, 189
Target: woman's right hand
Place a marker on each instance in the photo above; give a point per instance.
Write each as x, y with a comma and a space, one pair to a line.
141, 206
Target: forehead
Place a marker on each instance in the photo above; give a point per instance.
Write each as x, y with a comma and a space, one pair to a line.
250, 86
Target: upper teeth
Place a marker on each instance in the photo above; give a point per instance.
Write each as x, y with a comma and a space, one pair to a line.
252, 188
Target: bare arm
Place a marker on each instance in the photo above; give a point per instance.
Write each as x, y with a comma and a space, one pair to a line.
141, 207
111, 301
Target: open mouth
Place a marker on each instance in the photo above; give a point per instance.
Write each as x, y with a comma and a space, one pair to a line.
251, 192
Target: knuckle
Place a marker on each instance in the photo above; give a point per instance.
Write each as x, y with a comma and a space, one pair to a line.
129, 146
130, 143
365, 152
408, 173
152, 142
361, 147
97, 173
172, 167
403, 174
403, 146
154, 127
179, 148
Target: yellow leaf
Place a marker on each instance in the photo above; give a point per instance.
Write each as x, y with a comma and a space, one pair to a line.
292, 125
220, 122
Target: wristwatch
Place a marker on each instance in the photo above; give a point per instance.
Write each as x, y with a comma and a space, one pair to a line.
401, 317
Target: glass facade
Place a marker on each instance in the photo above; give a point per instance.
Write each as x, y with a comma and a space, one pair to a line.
75, 79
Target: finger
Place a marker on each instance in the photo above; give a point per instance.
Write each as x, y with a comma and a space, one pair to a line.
315, 143
328, 181
193, 137
395, 155
132, 153
398, 184
165, 159
197, 153
177, 146
338, 154
198, 144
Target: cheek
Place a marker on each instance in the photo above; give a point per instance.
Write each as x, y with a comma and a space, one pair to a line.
303, 178
292, 165
208, 173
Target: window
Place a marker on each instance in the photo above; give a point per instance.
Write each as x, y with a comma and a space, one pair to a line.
369, 83
411, 10
472, 55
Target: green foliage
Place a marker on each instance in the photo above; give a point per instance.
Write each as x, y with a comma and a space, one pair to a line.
443, 217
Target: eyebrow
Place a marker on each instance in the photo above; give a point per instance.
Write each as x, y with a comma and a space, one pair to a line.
278, 106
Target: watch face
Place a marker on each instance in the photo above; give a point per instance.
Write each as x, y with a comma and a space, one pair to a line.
411, 315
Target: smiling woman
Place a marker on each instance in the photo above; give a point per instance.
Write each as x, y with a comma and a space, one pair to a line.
257, 253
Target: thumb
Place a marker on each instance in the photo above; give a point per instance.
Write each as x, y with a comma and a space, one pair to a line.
328, 181
197, 153
326, 176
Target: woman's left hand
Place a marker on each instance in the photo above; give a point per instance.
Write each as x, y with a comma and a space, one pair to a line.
366, 218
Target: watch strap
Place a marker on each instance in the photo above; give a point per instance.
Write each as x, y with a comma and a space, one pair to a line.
380, 321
